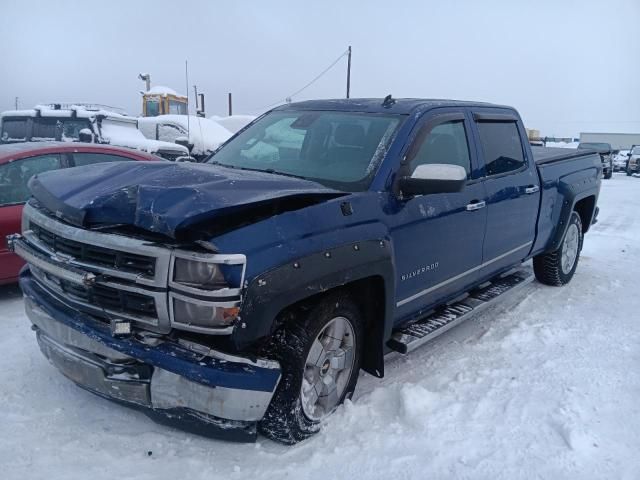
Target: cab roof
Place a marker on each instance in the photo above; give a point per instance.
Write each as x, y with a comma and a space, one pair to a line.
403, 106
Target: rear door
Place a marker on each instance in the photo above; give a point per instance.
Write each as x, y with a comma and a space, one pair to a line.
14, 192
512, 185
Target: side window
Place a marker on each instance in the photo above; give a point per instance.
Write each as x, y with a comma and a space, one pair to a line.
169, 133
81, 159
14, 129
502, 147
15, 175
445, 143
45, 128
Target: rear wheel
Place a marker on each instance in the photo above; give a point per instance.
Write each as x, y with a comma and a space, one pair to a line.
320, 359
557, 268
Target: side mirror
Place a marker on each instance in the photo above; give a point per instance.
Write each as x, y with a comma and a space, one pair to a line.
184, 141
434, 178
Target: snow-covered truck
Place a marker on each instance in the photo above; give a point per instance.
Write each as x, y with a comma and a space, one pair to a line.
86, 122
204, 135
248, 292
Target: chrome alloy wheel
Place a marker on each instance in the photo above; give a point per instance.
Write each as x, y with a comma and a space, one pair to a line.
328, 368
570, 248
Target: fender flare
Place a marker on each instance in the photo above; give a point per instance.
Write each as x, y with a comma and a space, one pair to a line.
271, 292
571, 194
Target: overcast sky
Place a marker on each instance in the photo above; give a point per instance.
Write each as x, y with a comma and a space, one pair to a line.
568, 66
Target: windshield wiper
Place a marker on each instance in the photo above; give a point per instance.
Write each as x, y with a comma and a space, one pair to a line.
271, 171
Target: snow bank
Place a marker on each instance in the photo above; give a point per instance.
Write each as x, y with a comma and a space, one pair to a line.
562, 144
206, 135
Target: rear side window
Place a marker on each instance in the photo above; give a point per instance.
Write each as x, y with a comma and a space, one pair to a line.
45, 128
81, 159
501, 146
445, 143
15, 175
14, 129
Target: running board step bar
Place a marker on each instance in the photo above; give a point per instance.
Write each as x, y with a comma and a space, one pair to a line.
411, 337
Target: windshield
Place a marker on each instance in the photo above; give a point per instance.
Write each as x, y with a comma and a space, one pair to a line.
598, 147
338, 149
635, 151
177, 108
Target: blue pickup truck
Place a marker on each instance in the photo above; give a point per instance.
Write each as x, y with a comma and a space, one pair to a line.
246, 293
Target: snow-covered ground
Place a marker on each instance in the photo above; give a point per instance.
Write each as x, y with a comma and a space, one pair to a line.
544, 386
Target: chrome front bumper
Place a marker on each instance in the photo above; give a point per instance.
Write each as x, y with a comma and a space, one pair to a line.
115, 368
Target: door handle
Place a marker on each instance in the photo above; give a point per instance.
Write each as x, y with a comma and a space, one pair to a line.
531, 189
475, 205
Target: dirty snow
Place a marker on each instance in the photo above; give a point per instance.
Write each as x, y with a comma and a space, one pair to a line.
543, 386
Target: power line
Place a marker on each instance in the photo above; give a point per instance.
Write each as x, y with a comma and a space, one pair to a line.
315, 79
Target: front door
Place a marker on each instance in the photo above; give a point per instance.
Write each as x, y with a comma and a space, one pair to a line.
438, 238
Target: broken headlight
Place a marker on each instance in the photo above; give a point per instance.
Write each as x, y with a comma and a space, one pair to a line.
198, 315
205, 290
198, 274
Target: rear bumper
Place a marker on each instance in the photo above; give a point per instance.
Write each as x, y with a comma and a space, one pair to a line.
214, 394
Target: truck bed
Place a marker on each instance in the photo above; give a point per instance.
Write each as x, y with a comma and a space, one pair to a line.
543, 155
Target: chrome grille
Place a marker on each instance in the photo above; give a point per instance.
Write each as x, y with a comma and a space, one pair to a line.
106, 257
113, 276
113, 299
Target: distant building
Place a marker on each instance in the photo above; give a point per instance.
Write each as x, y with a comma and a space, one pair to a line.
618, 141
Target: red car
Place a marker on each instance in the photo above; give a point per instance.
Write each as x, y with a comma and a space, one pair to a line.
20, 161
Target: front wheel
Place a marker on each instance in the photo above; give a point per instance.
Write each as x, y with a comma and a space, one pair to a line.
320, 357
557, 268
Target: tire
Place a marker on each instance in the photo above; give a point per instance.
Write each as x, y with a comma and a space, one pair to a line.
608, 174
549, 268
288, 420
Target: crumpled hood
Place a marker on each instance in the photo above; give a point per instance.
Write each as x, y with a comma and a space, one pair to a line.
161, 197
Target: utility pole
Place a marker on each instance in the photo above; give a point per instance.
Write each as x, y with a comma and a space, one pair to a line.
16, 103
349, 72
230, 105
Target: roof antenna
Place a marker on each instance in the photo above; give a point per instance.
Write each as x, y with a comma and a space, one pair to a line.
388, 101
186, 77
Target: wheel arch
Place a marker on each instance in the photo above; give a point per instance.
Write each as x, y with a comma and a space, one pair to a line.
586, 208
580, 197
364, 270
